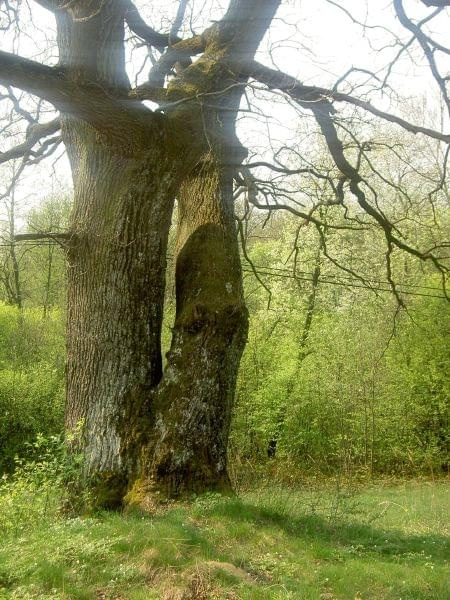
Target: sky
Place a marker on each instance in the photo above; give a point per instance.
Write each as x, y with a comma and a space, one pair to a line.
310, 39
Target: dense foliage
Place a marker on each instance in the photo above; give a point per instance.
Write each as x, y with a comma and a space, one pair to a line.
31, 380
350, 381
358, 399
365, 390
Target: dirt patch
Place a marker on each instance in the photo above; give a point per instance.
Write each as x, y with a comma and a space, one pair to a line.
200, 585
230, 569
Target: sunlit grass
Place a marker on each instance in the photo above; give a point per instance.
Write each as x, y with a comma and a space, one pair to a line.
381, 543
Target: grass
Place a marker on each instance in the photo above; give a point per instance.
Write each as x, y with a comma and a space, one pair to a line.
383, 542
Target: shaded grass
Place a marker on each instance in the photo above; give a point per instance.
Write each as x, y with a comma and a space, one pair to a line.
379, 543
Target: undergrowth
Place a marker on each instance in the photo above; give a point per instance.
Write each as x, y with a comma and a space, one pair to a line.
320, 541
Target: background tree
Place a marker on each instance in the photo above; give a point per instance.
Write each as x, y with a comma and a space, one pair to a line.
10, 255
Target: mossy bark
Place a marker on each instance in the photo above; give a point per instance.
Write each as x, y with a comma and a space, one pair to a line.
116, 294
187, 450
125, 179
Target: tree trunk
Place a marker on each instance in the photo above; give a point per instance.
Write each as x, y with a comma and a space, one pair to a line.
301, 355
187, 449
16, 286
48, 282
115, 305
125, 179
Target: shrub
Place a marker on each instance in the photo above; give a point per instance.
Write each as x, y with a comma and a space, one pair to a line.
37, 489
31, 382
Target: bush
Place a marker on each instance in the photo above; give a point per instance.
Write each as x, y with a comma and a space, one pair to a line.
31, 382
37, 489
365, 398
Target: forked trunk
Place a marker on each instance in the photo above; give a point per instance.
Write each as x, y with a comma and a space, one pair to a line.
140, 432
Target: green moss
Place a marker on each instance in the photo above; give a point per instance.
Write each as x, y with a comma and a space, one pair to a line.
137, 494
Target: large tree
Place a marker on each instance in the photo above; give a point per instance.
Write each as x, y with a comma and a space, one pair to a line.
145, 431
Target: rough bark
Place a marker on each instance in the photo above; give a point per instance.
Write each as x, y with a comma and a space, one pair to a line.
123, 197
115, 304
186, 450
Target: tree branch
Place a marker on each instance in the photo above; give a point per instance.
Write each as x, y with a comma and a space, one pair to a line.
34, 134
182, 6
424, 41
42, 235
179, 52
436, 2
48, 83
308, 95
138, 26
335, 146
62, 238
104, 109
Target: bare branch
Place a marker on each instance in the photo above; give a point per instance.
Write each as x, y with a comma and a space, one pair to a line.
34, 134
436, 2
42, 235
308, 96
182, 6
179, 52
250, 262
49, 83
138, 26
425, 43
91, 102
326, 124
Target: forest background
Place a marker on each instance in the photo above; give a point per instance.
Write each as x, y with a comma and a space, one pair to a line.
336, 377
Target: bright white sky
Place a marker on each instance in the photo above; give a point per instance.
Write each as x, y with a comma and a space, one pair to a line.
310, 39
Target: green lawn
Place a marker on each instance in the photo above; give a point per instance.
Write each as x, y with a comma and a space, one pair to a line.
384, 542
